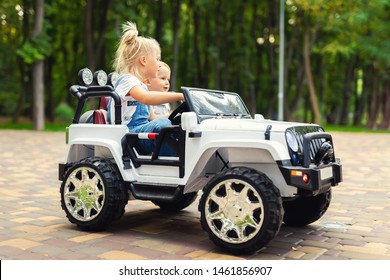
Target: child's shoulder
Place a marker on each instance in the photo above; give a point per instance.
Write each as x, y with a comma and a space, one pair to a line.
129, 80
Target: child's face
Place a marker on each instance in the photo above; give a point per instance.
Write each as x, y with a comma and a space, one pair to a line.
153, 64
161, 82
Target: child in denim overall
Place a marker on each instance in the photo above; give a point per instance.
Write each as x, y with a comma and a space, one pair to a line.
137, 59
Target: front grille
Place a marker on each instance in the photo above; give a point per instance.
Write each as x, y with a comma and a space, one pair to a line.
315, 144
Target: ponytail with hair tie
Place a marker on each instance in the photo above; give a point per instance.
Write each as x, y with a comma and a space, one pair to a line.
130, 32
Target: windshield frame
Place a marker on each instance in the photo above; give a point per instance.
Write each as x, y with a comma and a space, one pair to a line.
196, 96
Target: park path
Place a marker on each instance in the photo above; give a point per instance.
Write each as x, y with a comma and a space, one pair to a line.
33, 225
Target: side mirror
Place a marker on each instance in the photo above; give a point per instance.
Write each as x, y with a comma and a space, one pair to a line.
189, 121
259, 117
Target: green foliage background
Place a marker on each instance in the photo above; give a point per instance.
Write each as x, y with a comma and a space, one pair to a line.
228, 45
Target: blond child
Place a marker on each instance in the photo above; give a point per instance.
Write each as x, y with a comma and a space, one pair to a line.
138, 58
160, 83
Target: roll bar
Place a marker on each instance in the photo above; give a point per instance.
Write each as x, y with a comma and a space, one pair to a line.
83, 93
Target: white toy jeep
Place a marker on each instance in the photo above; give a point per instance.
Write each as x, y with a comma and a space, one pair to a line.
252, 173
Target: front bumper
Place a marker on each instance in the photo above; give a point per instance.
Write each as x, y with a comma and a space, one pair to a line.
313, 179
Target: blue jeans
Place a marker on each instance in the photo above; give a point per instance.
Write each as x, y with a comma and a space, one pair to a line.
145, 146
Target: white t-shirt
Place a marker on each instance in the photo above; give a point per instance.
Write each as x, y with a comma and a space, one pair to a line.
162, 109
125, 83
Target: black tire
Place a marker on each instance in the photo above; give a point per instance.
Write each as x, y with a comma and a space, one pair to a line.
241, 210
185, 201
305, 210
93, 194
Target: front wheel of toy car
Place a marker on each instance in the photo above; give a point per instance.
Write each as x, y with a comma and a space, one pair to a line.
93, 194
241, 210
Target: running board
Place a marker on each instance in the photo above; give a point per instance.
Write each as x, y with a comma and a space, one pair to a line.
156, 193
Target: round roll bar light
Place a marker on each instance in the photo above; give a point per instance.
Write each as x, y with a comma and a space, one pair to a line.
100, 78
112, 78
85, 77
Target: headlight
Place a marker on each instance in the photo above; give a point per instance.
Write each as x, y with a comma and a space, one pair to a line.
85, 77
100, 78
292, 141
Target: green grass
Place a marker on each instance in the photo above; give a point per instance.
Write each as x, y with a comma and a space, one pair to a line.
338, 128
28, 126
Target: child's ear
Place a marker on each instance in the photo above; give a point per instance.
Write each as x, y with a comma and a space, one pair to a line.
147, 82
142, 60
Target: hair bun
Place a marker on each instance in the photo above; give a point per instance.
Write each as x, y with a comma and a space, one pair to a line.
130, 32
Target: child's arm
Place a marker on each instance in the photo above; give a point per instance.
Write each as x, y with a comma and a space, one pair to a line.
154, 97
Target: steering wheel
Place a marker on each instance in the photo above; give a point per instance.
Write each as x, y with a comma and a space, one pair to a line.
175, 116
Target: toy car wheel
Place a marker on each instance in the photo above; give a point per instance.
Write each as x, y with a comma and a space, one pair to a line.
185, 201
305, 210
241, 210
93, 194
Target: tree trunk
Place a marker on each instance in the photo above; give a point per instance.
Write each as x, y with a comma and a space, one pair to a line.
176, 29
49, 87
309, 78
89, 40
160, 21
360, 101
196, 40
373, 107
385, 124
272, 21
347, 91
37, 72
218, 39
25, 73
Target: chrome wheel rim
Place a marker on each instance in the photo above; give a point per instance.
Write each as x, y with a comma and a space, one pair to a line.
84, 194
234, 211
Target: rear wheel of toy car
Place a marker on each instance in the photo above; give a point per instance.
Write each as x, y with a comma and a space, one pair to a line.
305, 210
241, 210
93, 194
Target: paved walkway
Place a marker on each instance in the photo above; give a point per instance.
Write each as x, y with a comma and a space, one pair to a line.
33, 225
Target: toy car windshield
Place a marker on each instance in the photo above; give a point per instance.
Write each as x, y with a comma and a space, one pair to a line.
215, 104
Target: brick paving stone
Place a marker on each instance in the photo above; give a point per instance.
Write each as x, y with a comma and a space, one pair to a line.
310, 256
332, 252
342, 235
174, 257
88, 237
144, 252
10, 252
265, 256
353, 242
352, 255
48, 251
330, 257
312, 250
19, 243
276, 251
310, 237
69, 255
324, 245
374, 250
92, 251
32, 256
295, 255
120, 255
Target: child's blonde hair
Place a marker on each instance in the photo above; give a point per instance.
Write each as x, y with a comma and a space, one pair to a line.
131, 48
163, 64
